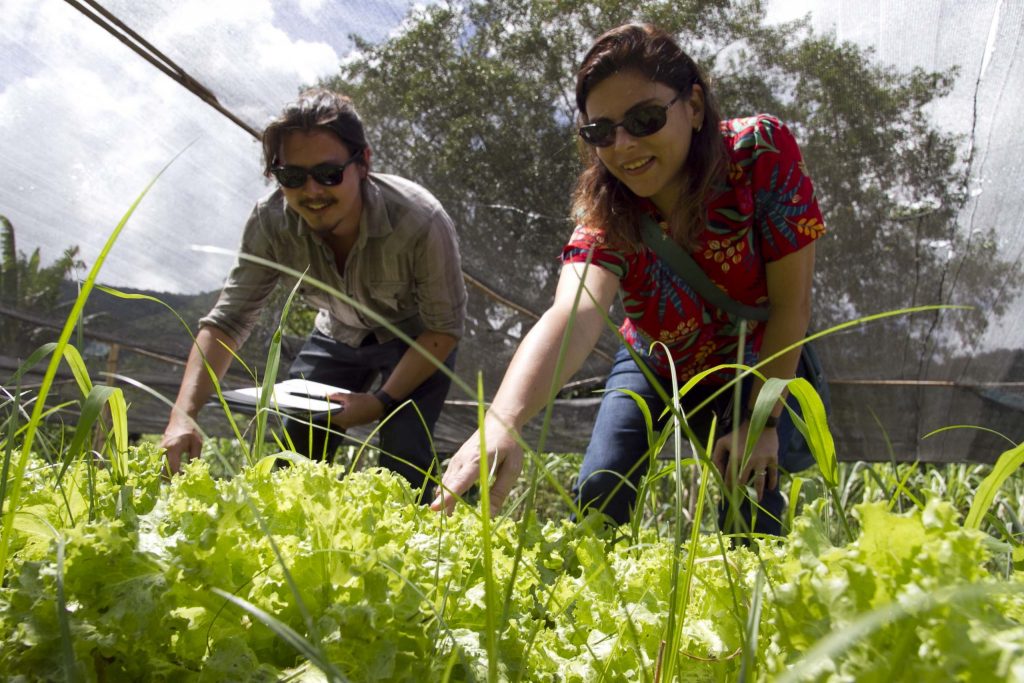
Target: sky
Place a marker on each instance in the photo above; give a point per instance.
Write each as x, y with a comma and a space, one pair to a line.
87, 123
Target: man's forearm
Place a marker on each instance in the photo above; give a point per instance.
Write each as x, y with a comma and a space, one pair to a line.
211, 347
413, 369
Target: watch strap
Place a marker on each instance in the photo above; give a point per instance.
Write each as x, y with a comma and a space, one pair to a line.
386, 400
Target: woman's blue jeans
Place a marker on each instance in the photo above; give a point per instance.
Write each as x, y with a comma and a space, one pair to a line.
619, 453
405, 437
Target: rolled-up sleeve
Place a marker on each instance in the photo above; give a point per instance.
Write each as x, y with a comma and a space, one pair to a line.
440, 287
248, 285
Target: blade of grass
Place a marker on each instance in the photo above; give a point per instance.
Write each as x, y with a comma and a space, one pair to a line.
67, 648
77, 365
652, 454
752, 629
12, 425
270, 375
794, 500
1008, 463
980, 429
490, 590
673, 630
902, 489
814, 427
119, 427
529, 512
691, 563
289, 635
92, 408
896, 501
370, 314
216, 380
33, 360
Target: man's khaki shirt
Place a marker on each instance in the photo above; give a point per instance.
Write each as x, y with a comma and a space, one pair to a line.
405, 268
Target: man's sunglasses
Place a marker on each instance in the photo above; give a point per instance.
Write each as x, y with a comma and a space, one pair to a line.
639, 122
294, 177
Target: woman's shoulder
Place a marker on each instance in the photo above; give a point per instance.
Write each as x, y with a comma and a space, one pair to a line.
590, 236
598, 246
747, 127
747, 138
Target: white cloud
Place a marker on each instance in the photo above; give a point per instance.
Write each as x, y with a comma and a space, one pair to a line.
310, 8
90, 123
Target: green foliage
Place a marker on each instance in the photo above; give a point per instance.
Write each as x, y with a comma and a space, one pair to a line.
1008, 463
61, 350
397, 592
24, 283
28, 286
61, 499
912, 568
301, 572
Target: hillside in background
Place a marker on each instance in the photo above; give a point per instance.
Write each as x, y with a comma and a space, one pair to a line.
127, 342
147, 323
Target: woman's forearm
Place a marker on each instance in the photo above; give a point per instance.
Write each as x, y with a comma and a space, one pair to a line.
534, 373
783, 329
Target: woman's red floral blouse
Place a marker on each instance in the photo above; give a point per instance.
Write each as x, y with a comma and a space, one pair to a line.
767, 211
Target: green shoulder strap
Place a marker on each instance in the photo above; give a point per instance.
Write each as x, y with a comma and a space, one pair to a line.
684, 265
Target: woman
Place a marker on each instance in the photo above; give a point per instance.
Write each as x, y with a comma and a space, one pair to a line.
735, 194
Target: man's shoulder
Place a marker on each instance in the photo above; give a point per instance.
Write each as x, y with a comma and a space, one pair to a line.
271, 204
395, 189
405, 206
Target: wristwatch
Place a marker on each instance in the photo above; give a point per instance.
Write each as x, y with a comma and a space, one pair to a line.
386, 400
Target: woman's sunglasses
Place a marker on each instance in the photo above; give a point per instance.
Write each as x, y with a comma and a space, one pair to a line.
294, 177
639, 122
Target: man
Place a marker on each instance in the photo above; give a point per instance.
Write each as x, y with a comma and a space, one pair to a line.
383, 241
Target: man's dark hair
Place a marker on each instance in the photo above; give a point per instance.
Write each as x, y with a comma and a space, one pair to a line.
316, 109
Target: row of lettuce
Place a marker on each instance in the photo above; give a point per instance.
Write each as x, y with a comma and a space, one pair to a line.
303, 572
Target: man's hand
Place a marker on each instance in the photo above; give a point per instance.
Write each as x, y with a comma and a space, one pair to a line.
212, 351
762, 469
355, 410
504, 457
180, 441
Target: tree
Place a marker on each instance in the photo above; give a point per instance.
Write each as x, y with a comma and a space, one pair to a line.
474, 100
890, 183
27, 286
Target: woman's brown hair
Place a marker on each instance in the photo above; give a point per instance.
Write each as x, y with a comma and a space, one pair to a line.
602, 200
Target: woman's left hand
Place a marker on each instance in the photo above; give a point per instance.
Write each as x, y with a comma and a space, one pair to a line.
762, 469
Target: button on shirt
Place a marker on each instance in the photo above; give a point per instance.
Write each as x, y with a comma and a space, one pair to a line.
405, 268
